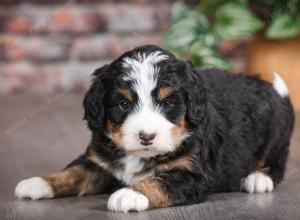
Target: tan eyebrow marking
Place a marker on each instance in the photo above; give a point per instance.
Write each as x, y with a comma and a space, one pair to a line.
126, 94
164, 92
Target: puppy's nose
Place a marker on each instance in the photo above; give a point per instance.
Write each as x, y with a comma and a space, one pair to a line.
146, 138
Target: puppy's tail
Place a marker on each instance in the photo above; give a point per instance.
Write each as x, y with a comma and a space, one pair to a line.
280, 86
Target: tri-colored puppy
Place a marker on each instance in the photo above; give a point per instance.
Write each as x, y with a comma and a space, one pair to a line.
166, 134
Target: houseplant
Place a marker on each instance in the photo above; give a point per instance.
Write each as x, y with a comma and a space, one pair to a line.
196, 33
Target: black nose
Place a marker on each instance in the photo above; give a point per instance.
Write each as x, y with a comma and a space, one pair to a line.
146, 137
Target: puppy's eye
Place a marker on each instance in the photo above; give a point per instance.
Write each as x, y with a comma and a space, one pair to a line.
124, 105
167, 104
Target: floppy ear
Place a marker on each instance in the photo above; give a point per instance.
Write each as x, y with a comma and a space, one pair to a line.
204, 118
93, 100
197, 96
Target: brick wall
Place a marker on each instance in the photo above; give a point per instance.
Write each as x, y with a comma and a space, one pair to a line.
49, 45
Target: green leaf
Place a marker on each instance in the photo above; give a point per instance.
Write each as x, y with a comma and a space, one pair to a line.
191, 36
207, 57
282, 27
234, 20
187, 27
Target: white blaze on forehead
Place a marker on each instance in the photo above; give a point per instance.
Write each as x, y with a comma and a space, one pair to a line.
142, 71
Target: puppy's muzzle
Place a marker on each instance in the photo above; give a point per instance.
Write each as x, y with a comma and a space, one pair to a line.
146, 138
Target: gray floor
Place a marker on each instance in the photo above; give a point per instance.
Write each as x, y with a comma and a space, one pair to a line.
41, 134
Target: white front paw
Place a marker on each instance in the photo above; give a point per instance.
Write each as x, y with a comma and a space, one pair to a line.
126, 199
34, 188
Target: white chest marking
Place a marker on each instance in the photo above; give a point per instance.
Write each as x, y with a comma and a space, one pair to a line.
128, 174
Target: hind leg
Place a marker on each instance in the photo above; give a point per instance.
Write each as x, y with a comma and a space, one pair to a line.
278, 165
269, 174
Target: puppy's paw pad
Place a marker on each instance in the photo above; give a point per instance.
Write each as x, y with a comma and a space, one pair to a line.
258, 182
126, 199
34, 188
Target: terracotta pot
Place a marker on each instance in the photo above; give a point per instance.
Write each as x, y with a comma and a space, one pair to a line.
265, 56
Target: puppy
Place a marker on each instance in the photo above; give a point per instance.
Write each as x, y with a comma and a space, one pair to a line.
165, 134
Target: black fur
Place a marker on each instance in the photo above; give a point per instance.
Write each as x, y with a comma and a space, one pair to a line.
237, 121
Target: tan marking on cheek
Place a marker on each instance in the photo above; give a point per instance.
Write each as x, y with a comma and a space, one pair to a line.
179, 130
126, 94
116, 132
70, 181
152, 189
184, 163
164, 93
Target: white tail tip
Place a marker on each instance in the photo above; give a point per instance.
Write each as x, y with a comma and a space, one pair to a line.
280, 86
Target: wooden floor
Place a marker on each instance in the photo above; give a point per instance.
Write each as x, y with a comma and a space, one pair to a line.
42, 134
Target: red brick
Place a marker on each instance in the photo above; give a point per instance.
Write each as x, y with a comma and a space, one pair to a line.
17, 25
3, 15
44, 2
92, 1
143, 1
37, 49
110, 46
122, 1
15, 76
47, 49
53, 45
127, 18
135, 40
77, 75
9, 2
25, 76
61, 18
162, 17
8, 49
95, 47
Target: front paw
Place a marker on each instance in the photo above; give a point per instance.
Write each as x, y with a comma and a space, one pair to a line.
34, 188
126, 199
